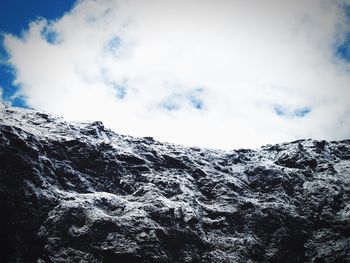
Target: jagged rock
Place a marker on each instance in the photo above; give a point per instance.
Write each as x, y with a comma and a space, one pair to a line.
78, 192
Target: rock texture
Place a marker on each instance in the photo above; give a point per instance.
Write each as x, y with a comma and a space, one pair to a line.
78, 192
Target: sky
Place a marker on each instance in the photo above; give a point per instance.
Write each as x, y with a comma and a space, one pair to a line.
221, 74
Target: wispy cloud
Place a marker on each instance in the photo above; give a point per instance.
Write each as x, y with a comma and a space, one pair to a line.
212, 73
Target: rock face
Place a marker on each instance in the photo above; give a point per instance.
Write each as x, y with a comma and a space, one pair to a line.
78, 192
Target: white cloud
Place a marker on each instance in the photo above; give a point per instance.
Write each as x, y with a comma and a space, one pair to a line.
248, 57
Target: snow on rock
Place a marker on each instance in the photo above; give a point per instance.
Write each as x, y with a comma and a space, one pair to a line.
78, 192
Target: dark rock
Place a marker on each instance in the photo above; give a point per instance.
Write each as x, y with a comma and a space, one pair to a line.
173, 162
82, 193
297, 159
130, 159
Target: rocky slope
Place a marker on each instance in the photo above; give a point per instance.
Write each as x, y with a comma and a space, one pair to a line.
78, 192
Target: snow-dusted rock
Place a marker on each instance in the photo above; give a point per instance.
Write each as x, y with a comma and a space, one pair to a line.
78, 192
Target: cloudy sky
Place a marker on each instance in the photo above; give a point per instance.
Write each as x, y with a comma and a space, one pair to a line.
221, 74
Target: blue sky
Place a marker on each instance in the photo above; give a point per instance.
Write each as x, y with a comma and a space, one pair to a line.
342, 48
222, 74
15, 16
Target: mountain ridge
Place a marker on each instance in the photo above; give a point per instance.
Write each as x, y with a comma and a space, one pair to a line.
78, 192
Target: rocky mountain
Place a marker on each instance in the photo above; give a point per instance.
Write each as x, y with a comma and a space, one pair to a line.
78, 192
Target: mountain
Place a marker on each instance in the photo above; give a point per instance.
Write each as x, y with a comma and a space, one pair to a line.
79, 192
